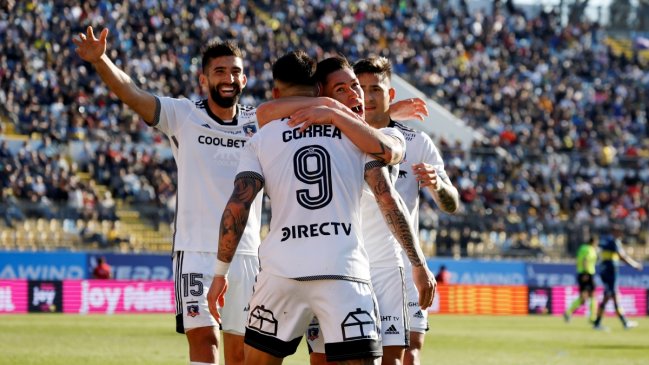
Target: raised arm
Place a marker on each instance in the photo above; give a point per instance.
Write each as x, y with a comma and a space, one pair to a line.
284, 107
233, 223
385, 148
444, 193
93, 50
397, 218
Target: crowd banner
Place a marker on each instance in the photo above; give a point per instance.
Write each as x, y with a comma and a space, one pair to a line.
632, 300
552, 275
44, 296
42, 265
539, 300
481, 299
135, 267
481, 272
118, 296
13, 296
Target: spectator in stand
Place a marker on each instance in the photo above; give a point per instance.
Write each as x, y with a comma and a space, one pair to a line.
102, 270
443, 276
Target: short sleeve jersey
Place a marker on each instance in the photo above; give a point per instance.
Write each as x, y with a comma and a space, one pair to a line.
419, 148
207, 151
383, 249
586, 259
314, 180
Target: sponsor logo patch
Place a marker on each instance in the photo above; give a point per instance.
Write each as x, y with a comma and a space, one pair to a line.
392, 330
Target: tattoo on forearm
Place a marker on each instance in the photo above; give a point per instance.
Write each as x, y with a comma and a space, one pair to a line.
235, 216
396, 218
448, 200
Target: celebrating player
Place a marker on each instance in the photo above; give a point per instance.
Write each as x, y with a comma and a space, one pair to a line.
206, 158
427, 170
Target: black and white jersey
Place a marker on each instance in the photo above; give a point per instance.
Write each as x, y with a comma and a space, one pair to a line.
314, 180
207, 152
383, 249
419, 148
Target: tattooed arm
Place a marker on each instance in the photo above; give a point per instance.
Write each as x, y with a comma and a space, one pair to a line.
233, 222
397, 218
444, 193
235, 215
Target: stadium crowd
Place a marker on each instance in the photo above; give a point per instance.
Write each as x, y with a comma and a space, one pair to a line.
568, 114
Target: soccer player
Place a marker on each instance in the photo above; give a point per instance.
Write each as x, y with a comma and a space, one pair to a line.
586, 263
338, 81
612, 253
427, 171
313, 259
207, 138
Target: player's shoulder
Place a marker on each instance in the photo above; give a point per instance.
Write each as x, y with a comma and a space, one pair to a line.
409, 133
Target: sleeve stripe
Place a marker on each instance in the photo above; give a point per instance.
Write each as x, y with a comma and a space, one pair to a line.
250, 175
372, 164
156, 115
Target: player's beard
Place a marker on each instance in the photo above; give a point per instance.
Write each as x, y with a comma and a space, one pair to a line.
225, 102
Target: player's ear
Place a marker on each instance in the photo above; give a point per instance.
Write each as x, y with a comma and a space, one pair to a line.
318, 88
392, 93
276, 93
244, 81
202, 80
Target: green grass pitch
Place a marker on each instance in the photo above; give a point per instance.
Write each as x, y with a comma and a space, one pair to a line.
150, 339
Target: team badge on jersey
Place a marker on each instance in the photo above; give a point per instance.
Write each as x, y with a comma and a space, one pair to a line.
192, 310
249, 130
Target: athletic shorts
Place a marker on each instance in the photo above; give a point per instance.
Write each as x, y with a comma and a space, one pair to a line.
193, 274
417, 317
586, 282
609, 280
387, 283
281, 309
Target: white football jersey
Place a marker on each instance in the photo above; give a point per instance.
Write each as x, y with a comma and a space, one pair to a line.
382, 247
314, 180
419, 148
207, 151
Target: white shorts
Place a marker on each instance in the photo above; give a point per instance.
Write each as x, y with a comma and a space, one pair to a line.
417, 317
389, 288
193, 274
282, 308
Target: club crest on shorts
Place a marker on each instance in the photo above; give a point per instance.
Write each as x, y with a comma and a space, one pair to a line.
263, 321
312, 333
358, 325
192, 310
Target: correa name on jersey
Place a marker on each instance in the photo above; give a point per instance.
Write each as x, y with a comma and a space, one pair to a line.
223, 142
315, 230
314, 131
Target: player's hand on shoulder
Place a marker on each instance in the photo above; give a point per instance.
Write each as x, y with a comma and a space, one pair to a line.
216, 294
312, 115
409, 109
89, 48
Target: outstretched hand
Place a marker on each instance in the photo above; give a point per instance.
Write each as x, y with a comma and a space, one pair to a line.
89, 48
216, 295
408, 109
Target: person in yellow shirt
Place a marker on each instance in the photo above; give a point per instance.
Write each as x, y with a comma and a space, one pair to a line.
586, 263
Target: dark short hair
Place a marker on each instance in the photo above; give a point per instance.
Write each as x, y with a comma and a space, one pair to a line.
329, 66
295, 68
216, 49
379, 66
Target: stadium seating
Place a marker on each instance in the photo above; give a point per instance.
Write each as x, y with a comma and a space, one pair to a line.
565, 102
